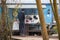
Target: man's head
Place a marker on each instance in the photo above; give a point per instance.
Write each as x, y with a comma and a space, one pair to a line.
22, 10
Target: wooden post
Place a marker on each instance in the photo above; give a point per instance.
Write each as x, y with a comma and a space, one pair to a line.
41, 17
56, 17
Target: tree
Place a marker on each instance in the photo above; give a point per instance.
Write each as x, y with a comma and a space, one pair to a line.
41, 17
4, 28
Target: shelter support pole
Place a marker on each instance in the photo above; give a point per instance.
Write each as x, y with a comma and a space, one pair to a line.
42, 21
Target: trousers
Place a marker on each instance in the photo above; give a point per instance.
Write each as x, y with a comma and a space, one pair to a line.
22, 27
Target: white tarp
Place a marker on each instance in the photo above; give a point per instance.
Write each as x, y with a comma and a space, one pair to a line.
33, 21
13, 1
25, 6
15, 25
34, 1
27, 1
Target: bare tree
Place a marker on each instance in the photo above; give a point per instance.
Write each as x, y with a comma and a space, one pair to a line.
42, 21
4, 29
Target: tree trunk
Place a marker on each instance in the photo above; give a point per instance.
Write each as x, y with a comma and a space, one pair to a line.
4, 34
56, 17
41, 17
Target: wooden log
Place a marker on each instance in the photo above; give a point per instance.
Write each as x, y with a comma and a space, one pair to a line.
42, 21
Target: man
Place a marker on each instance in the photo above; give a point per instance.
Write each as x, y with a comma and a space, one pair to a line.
21, 17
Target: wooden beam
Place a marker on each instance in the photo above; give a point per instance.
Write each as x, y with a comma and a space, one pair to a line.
42, 21
56, 17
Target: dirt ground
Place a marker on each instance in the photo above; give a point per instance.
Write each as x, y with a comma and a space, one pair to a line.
51, 37
32, 38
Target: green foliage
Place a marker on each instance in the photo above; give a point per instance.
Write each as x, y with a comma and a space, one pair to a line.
55, 28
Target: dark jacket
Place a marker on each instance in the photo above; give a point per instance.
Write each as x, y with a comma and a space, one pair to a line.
21, 16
